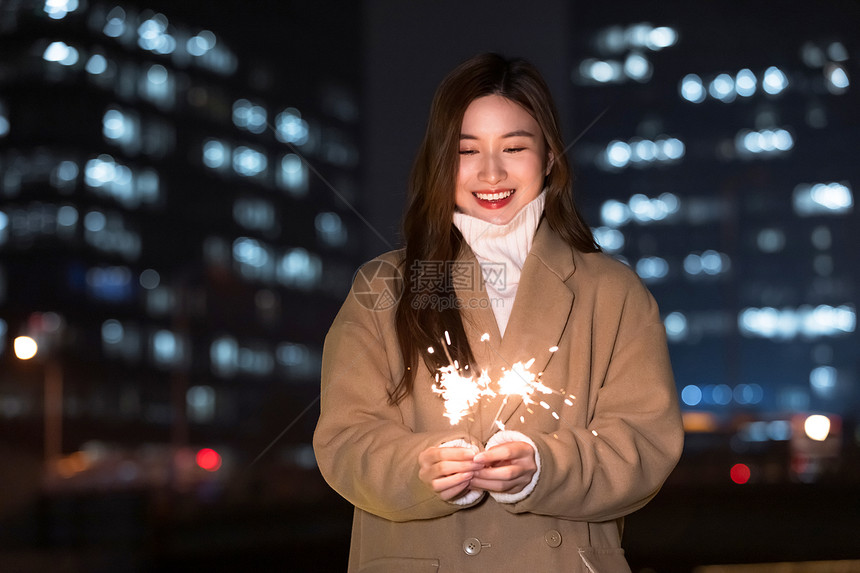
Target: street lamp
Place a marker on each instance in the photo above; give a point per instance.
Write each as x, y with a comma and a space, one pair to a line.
26, 348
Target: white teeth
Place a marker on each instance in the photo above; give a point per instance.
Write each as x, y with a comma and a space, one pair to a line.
494, 196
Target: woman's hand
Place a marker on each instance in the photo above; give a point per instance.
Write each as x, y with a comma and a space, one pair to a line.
508, 468
447, 470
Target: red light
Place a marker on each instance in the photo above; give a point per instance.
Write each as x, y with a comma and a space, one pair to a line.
740, 473
208, 459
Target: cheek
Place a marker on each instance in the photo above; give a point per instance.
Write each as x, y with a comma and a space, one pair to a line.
464, 175
465, 168
461, 174
536, 169
460, 192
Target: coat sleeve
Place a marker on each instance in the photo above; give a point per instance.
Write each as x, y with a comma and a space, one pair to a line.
633, 436
365, 449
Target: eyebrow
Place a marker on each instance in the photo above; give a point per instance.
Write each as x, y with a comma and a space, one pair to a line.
517, 133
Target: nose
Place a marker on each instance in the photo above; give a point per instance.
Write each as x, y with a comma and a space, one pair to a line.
492, 169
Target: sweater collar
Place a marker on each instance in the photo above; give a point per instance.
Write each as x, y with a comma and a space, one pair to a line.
510, 242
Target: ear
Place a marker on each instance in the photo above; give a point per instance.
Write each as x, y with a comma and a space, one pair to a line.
550, 159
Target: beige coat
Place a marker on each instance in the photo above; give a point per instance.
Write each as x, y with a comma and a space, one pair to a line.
605, 456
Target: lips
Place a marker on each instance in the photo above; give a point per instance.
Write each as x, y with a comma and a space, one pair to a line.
494, 199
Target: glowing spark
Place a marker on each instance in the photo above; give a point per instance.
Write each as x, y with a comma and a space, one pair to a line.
459, 392
594, 432
519, 381
448, 354
430, 350
516, 381
547, 407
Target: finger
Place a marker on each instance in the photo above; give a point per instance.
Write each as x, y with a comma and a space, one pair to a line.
439, 471
502, 473
494, 454
451, 493
448, 468
428, 471
506, 451
452, 483
433, 455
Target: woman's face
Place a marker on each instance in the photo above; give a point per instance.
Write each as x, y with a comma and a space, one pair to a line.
503, 160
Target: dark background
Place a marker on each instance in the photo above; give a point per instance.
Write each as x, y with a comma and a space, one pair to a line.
124, 492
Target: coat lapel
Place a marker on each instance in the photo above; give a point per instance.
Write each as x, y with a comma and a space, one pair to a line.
476, 309
539, 316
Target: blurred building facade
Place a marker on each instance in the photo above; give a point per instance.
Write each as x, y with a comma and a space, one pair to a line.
172, 222
176, 232
719, 166
175, 222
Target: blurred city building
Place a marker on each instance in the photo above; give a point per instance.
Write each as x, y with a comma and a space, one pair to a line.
172, 226
719, 166
181, 215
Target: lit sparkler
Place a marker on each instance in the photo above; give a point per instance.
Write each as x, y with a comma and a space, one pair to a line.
519, 381
460, 393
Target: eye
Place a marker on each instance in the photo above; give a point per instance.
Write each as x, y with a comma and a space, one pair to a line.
467, 152
514, 149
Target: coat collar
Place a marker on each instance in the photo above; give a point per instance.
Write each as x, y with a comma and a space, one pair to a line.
538, 319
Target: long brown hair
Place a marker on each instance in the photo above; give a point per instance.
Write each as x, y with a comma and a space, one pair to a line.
427, 308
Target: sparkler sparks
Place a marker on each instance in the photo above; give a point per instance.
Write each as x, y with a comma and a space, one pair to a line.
519, 381
461, 393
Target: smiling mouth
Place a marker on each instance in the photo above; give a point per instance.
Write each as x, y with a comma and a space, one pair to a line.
495, 196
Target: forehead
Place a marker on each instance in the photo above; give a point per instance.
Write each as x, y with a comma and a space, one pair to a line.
496, 114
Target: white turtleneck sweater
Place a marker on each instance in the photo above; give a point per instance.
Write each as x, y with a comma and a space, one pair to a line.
501, 251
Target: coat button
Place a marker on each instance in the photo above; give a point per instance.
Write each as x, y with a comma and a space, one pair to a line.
552, 538
472, 546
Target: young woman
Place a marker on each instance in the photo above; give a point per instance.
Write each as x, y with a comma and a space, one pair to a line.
498, 269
